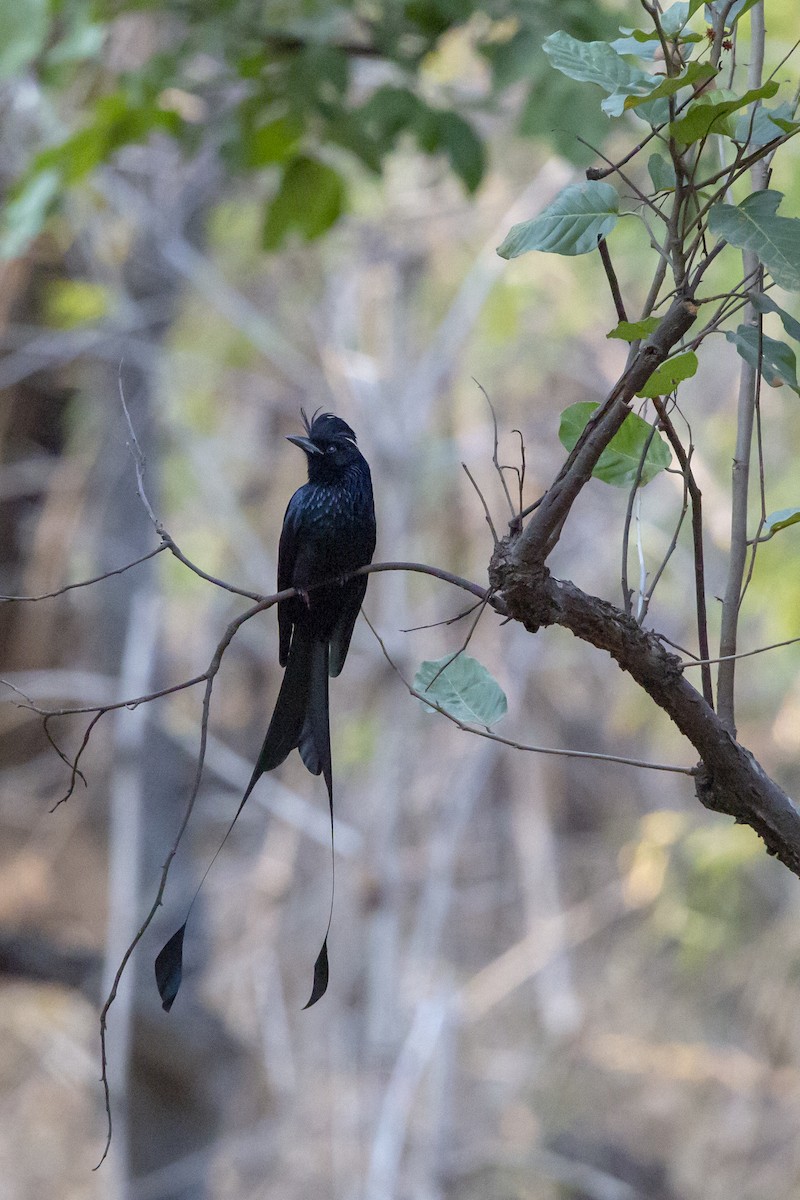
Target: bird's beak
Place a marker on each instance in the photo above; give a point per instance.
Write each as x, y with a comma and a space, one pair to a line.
304, 443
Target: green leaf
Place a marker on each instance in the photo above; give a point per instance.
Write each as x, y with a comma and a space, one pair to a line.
655, 114
765, 304
274, 142
389, 111
116, 123
765, 125
23, 31
672, 372
734, 12
706, 115
619, 462
778, 361
571, 224
754, 225
695, 73
596, 62
661, 172
643, 45
456, 138
309, 200
781, 519
632, 331
464, 688
514, 59
674, 19
558, 112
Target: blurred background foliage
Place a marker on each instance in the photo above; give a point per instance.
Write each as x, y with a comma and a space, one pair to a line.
550, 978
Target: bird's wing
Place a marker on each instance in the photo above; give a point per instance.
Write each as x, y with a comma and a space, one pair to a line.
287, 555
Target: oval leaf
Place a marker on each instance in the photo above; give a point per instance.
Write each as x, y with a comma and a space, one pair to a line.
572, 224
778, 361
633, 331
672, 372
754, 225
695, 74
705, 114
311, 197
765, 304
597, 62
463, 688
619, 462
169, 968
661, 172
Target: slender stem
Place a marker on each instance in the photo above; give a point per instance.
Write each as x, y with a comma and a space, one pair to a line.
697, 539
740, 479
627, 592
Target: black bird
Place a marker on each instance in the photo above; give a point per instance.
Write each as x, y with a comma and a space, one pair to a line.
328, 532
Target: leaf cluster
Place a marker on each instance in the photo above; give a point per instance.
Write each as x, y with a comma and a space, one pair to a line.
668, 77
302, 94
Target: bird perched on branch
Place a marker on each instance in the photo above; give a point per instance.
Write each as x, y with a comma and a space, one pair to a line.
328, 532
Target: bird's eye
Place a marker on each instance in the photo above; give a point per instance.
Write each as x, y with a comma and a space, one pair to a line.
330, 448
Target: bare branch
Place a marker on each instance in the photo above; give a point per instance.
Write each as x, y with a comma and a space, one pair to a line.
84, 582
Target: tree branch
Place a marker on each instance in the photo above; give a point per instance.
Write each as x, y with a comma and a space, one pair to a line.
542, 531
729, 779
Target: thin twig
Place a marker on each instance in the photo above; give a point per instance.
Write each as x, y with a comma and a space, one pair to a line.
76, 773
641, 196
626, 591
480, 731
457, 654
482, 499
495, 460
700, 662
84, 582
762, 520
209, 676
447, 621
685, 461
670, 548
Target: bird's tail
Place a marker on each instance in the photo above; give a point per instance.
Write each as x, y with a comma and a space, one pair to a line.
315, 736
300, 718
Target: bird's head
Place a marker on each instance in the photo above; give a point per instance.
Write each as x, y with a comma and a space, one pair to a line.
329, 445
